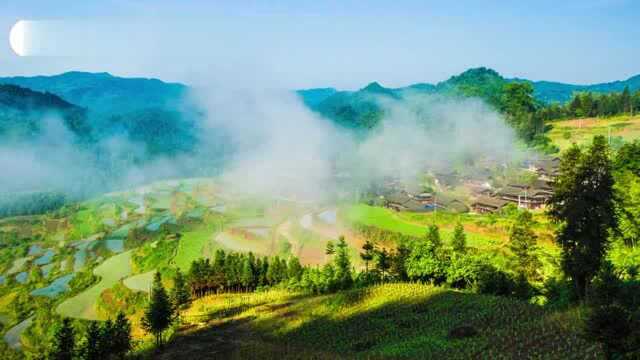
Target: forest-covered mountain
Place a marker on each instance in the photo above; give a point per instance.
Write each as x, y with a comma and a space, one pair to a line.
22, 112
105, 94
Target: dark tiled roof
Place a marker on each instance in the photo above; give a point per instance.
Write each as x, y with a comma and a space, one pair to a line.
490, 201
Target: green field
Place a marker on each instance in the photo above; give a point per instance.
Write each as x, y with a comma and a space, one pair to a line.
416, 224
140, 282
582, 131
82, 306
191, 246
394, 320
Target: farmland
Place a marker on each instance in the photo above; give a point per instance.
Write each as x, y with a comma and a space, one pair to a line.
582, 131
393, 320
110, 272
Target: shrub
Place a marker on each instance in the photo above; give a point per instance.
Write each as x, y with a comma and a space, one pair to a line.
495, 282
610, 325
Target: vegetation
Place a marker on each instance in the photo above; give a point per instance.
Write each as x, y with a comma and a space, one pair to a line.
584, 205
159, 313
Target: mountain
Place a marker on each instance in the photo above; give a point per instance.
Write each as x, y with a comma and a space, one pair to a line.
105, 94
360, 110
23, 110
549, 91
312, 97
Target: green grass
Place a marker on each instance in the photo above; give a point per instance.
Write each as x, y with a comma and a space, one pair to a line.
566, 132
416, 224
140, 282
191, 246
410, 321
82, 306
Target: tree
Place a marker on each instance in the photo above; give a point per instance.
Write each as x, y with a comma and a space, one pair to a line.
343, 274
122, 336
459, 239
180, 295
294, 269
383, 261
522, 243
398, 262
583, 205
625, 100
64, 342
428, 261
367, 254
433, 236
159, 313
90, 349
246, 277
330, 249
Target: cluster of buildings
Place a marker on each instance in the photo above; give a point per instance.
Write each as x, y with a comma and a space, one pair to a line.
483, 198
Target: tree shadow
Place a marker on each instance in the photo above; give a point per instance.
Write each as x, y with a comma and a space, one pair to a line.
414, 326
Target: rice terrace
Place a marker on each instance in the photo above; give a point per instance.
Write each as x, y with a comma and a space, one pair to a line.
319, 180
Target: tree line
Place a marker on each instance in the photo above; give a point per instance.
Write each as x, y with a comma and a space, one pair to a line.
590, 104
101, 340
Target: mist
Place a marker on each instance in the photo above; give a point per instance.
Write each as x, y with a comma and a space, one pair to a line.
266, 142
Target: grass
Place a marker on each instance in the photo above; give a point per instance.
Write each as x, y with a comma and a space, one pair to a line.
582, 131
140, 282
191, 246
82, 306
416, 224
385, 321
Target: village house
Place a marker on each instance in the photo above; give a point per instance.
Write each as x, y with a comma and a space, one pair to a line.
485, 204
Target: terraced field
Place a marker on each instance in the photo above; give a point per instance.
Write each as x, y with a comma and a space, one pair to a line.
82, 306
191, 246
394, 320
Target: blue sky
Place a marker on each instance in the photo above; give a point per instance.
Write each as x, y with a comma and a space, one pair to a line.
346, 44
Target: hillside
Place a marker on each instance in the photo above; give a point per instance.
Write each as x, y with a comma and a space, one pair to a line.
104, 93
549, 91
389, 321
23, 111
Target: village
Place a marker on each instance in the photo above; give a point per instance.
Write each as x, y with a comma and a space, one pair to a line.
475, 191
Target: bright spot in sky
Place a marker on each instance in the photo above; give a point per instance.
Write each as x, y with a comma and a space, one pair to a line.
18, 38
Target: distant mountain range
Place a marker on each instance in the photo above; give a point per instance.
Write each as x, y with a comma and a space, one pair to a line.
103, 93
544, 91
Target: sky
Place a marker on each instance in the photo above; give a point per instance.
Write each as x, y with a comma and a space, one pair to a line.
343, 44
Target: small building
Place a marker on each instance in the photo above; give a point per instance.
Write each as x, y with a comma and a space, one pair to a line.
486, 204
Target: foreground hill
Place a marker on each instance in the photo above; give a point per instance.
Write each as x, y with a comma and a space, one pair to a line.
385, 321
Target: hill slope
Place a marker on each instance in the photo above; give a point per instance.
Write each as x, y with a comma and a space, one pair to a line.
104, 93
387, 321
22, 112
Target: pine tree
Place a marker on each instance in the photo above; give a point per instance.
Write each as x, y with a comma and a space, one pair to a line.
522, 243
105, 340
330, 249
459, 239
583, 205
122, 336
159, 313
294, 269
180, 295
383, 262
367, 254
625, 99
247, 274
64, 342
433, 237
90, 349
343, 264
